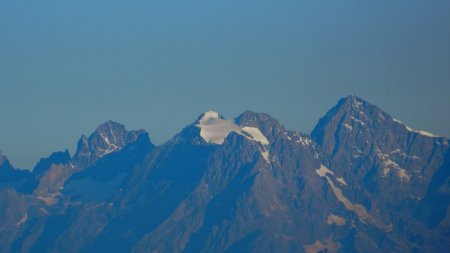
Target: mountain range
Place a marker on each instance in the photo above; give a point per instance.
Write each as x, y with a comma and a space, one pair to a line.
362, 181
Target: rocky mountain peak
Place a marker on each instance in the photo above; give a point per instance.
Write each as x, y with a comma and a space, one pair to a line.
209, 115
214, 129
269, 126
354, 118
369, 143
4, 163
61, 157
3, 158
371, 184
109, 137
354, 102
11, 177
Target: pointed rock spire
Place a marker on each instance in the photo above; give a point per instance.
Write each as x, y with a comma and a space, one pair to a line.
109, 137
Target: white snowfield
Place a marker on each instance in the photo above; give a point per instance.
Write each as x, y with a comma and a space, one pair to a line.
256, 134
214, 129
424, 133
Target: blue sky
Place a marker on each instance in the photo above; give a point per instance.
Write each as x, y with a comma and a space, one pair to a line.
67, 66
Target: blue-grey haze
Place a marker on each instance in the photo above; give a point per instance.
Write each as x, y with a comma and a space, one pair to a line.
67, 66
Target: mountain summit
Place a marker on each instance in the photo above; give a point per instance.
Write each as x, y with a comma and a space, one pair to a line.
361, 182
109, 137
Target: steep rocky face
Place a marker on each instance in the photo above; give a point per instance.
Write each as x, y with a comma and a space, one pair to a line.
363, 139
49, 174
56, 158
362, 182
11, 177
14, 214
190, 191
125, 149
98, 181
195, 196
51, 208
269, 126
3, 159
389, 167
107, 138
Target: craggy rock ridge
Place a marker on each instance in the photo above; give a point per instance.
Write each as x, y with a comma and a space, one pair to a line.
361, 182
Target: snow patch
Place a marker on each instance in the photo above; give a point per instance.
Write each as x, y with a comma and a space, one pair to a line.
209, 116
358, 121
424, 133
265, 155
398, 152
323, 171
362, 213
389, 165
304, 141
348, 126
341, 180
214, 129
358, 209
356, 104
111, 146
256, 134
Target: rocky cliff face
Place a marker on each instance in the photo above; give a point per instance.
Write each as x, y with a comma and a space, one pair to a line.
107, 138
11, 177
390, 168
362, 182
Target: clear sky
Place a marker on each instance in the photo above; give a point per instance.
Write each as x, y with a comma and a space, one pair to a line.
67, 66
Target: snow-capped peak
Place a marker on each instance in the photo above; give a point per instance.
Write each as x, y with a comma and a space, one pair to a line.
209, 115
214, 129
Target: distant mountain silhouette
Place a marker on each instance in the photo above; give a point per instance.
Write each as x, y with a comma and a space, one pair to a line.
361, 182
